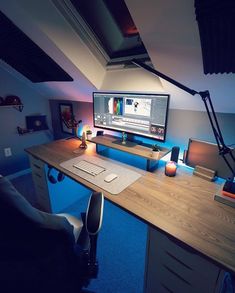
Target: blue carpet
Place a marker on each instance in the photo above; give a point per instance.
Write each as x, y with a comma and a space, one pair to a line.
121, 250
121, 242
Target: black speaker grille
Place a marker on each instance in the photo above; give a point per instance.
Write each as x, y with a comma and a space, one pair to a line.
216, 23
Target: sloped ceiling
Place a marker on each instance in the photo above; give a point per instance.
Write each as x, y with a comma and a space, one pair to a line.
170, 35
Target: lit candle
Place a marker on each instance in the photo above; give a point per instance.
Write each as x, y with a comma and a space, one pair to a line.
170, 169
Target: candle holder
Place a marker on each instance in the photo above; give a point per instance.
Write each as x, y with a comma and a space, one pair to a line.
170, 169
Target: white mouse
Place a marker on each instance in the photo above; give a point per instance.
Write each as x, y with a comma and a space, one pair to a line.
110, 177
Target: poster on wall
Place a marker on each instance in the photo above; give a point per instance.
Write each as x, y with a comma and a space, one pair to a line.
66, 116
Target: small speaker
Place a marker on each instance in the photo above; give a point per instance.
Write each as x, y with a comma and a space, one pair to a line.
100, 133
175, 154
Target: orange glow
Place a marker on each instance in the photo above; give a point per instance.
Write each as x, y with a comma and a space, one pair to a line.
170, 169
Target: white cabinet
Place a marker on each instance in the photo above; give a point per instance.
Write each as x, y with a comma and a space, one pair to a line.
55, 198
40, 182
170, 267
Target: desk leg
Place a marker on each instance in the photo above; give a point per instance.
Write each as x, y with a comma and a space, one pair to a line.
100, 149
149, 167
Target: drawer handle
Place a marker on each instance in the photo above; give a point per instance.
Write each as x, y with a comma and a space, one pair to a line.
177, 275
178, 260
37, 166
38, 175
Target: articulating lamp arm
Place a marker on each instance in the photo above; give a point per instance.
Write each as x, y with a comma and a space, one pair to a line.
224, 150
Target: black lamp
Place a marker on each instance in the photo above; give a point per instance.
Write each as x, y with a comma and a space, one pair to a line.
224, 151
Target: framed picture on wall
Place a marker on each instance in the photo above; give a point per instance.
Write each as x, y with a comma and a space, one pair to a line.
66, 115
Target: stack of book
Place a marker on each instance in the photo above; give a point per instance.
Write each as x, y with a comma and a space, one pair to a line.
227, 194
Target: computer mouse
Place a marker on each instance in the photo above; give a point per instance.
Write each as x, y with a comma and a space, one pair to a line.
110, 177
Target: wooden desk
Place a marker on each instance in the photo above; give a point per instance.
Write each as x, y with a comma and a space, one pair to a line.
181, 207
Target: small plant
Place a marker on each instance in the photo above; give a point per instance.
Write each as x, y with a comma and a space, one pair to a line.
155, 148
89, 134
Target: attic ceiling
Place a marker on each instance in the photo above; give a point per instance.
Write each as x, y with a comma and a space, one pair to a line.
113, 28
107, 28
21, 53
167, 30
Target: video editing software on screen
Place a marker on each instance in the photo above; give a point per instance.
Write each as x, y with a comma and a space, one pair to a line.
140, 114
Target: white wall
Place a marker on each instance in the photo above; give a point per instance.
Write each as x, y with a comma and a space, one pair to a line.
10, 118
133, 79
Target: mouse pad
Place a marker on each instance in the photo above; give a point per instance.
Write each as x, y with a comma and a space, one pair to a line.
125, 176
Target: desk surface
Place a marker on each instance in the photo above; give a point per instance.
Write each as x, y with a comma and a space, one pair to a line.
182, 206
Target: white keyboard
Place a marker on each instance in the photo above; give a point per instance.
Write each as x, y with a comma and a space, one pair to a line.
89, 168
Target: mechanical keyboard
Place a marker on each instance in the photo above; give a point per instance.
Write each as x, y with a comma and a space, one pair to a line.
89, 168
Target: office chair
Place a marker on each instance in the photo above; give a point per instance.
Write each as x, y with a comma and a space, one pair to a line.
39, 251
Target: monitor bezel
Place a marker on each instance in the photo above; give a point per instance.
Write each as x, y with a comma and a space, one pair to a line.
134, 93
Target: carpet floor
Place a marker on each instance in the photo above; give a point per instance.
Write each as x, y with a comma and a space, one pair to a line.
121, 245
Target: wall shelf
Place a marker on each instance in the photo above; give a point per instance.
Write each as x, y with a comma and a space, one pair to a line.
24, 131
17, 107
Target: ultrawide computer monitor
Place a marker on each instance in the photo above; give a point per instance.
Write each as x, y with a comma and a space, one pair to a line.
135, 113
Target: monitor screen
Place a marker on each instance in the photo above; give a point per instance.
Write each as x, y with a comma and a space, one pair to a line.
135, 113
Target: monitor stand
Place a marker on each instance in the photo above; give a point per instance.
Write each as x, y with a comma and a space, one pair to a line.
125, 140
126, 143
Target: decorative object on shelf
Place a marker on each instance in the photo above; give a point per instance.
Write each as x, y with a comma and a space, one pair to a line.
33, 123
12, 101
170, 169
124, 137
89, 134
155, 151
68, 122
36, 122
83, 145
22, 131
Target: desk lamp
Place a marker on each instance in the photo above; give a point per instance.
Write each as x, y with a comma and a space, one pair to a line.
223, 149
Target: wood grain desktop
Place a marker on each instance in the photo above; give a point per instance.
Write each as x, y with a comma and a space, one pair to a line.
182, 206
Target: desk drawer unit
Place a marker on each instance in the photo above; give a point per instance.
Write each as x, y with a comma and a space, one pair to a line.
173, 268
40, 183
